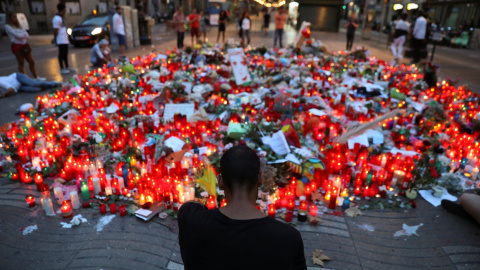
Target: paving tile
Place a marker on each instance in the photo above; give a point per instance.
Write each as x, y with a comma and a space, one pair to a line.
468, 266
434, 261
465, 258
461, 249
175, 266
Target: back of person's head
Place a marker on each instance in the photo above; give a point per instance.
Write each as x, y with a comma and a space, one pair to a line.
103, 42
240, 168
419, 13
12, 19
404, 16
60, 7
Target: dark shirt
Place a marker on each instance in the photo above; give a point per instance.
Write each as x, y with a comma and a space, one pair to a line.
222, 18
210, 240
266, 18
351, 28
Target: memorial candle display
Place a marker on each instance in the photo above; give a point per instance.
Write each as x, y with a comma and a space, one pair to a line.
129, 144
271, 210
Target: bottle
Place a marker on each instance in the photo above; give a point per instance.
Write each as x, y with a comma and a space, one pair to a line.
47, 201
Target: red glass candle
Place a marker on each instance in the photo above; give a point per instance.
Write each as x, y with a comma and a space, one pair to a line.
39, 181
27, 178
66, 209
307, 191
289, 216
103, 209
124, 191
30, 200
223, 203
333, 199
303, 205
113, 208
115, 186
278, 203
271, 210
291, 205
313, 210
357, 191
211, 202
122, 210
14, 176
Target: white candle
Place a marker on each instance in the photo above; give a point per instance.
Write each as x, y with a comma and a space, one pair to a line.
384, 160
108, 191
475, 173
58, 193
48, 207
398, 177
121, 183
74, 199
191, 192
96, 185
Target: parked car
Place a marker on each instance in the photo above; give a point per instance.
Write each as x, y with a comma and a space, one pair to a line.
89, 30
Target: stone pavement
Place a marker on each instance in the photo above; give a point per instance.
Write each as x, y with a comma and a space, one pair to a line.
364, 242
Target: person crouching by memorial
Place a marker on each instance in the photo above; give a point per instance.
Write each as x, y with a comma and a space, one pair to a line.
237, 236
100, 54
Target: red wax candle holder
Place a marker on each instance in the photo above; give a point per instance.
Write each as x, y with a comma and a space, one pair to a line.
38, 181
30, 200
103, 209
66, 209
113, 208
122, 210
272, 210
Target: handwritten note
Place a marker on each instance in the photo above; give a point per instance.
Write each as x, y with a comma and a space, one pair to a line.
175, 143
239, 66
277, 142
172, 109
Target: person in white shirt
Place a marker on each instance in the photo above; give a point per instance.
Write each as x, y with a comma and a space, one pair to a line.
419, 31
61, 39
401, 30
19, 82
245, 25
20, 48
119, 30
99, 54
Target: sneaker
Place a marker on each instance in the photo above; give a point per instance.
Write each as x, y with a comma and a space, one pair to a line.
64, 71
41, 79
72, 69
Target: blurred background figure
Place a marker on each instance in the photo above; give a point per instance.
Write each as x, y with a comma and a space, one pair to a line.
266, 20
100, 54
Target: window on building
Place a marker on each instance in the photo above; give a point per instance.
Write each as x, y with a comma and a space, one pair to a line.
37, 7
73, 7
102, 7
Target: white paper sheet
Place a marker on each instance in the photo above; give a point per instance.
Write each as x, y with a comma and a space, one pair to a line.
428, 196
375, 135
362, 140
239, 66
278, 143
172, 109
317, 112
403, 152
175, 143
417, 106
291, 157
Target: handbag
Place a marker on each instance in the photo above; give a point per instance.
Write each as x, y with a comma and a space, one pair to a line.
25, 50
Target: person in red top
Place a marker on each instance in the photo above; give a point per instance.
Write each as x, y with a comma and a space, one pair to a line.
194, 20
280, 19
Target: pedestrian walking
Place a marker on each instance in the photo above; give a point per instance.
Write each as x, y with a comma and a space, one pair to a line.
119, 30
222, 21
351, 26
100, 54
266, 21
280, 19
245, 24
61, 39
418, 41
194, 20
203, 25
20, 48
401, 30
237, 233
179, 20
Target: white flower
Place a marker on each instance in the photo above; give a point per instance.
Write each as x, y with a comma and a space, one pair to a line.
204, 194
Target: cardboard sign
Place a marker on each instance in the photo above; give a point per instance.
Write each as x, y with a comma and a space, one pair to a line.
172, 109
239, 66
22, 20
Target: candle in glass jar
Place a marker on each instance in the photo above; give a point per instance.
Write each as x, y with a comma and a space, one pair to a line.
96, 185
108, 191
313, 210
289, 216
211, 202
474, 175
39, 181
223, 203
398, 176
103, 209
74, 199
85, 192
333, 199
113, 208
58, 193
66, 209
122, 210
30, 200
271, 210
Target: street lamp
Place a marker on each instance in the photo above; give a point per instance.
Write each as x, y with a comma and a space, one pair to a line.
411, 6
398, 6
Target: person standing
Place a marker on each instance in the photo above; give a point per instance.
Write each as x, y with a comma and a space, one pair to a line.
222, 21
280, 19
179, 20
194, 20
119, 30
20, 48
399, 36
203, 26
419, 31
245, 24
61, 39
266, 21
351, 26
